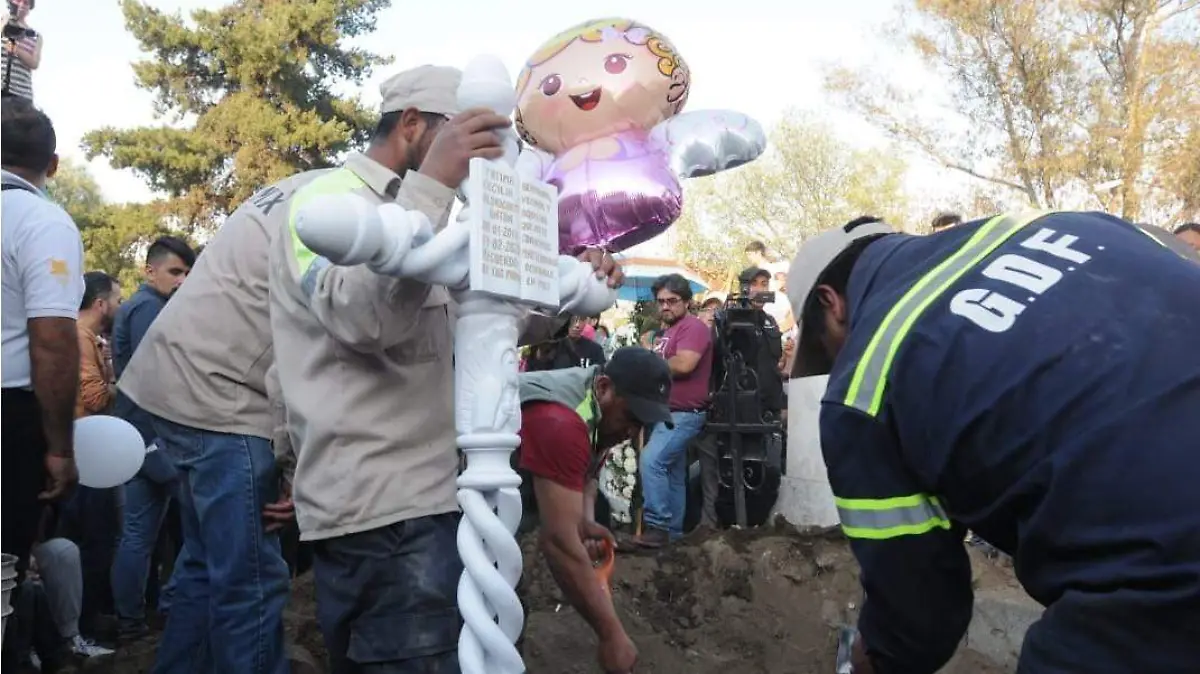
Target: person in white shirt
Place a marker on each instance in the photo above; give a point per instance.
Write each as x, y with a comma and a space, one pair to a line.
42, 290
760, 257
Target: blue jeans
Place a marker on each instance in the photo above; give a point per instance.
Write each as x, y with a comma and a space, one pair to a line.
231, 582
146, 503
147, 497
664, 472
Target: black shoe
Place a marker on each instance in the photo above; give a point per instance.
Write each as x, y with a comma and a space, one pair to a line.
132, 631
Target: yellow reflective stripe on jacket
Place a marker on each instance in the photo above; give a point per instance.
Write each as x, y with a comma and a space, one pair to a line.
334, 182
870, 376
883, 518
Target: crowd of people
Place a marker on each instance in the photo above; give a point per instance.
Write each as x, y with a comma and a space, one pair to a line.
286, 395
92, 554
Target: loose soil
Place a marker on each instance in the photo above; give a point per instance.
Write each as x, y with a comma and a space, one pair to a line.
757, 601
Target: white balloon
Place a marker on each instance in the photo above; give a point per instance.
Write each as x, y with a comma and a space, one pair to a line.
108, 451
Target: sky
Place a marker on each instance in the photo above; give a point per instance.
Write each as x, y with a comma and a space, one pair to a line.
760, 57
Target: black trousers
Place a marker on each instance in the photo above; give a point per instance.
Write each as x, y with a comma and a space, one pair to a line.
22, 477
24, 473
91, 518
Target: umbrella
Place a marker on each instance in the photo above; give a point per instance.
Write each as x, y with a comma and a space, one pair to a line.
642, 272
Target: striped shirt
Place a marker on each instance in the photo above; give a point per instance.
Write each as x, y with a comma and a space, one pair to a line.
19, 80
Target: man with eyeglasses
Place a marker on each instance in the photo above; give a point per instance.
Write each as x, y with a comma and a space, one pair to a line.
687, 347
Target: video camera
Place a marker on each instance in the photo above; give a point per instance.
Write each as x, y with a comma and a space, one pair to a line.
14, 31
744, 414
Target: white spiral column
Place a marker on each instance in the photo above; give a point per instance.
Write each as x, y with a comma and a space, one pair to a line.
487, 413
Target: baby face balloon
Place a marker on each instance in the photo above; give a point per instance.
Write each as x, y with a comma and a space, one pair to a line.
599, 107
596, 79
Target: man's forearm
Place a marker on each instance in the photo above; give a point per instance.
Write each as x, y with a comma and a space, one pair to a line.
569, 563
54, 365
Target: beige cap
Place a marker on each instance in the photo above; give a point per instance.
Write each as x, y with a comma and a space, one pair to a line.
814, 256
426, 88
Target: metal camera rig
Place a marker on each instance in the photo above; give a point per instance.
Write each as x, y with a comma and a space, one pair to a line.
749, 434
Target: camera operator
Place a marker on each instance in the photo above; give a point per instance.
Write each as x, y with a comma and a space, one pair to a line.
22, 51
755, 283
762, 351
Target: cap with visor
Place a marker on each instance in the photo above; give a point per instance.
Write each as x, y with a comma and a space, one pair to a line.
643, 380
814, 257
427, 88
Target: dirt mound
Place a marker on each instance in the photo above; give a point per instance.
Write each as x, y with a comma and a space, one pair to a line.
747, 601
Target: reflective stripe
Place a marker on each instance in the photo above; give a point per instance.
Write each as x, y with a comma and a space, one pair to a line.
587, 409
334, 182
883, 518
870, 376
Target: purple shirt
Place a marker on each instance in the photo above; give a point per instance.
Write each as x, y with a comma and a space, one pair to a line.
690, 391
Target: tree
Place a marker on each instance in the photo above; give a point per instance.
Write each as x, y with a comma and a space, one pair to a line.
1061, 101
807, 181
73, 188
255, 80
114, 236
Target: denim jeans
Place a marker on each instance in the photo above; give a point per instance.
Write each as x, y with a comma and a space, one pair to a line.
231, 582
146, 501
664, 472
387, 598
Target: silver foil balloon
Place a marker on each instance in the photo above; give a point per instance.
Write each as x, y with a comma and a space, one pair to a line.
633, 194
704, 142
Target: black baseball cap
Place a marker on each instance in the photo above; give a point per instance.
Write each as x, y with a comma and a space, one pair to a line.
750, 273
643, 379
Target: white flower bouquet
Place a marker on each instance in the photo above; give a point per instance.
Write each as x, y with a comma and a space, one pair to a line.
618, 480
626, 335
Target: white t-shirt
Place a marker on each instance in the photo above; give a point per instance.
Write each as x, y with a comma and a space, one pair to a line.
42, 270
780, 309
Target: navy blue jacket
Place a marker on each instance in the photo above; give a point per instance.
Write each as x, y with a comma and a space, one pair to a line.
1062, 424
130, 325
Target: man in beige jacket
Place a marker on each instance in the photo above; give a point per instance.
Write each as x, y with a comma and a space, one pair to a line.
365, 367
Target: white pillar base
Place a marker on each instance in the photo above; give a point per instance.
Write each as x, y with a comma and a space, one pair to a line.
805, 498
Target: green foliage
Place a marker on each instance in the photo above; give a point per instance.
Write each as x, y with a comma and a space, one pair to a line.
114, 236
645, 317
807, 181
248, 89
1051, 99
